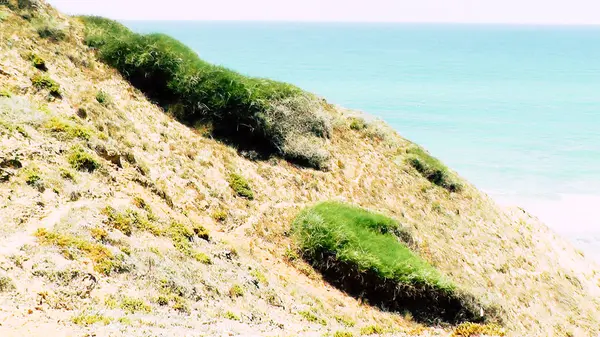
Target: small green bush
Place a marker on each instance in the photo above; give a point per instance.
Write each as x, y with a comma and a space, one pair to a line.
343, 334
37, 62
45, 82
5, 93
201, 257
133, 305
103, 98
372, 330
230, 315
3, 16
311, 317
257, 113
82, 160
32, 176
67, 129
6, 284
360, 252
51, 30
236, 291
433, 169
90, 319
240, 186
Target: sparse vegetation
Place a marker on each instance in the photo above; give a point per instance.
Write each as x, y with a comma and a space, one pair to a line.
133, 305
5, 93
259, 276
345, 321
230, 315
66, 129
473, 329
37, 61
103, 98
357, 124
240, 186
81, 160
32, 176
249, 112
311, 317
201, 257
45, 82
358, 251
343, 334
50, 29
90, 319
6, 284
432, 169
236, 291
104, 260
372, 330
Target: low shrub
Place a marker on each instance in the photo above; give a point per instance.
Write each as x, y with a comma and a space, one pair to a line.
82, 160
103, 98
360, 252
51, 30
37, 61
473, 329
236, 291
248, 112
311, 317
240, 186
433, 169
67, 130
372, 330
133, 305
104, 260
90, 319
45, 82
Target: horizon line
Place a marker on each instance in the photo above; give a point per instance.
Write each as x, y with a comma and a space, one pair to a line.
498, 23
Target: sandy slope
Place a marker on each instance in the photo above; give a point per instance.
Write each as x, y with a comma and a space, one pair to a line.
541, 284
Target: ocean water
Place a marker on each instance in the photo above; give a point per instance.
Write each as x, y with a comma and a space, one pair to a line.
514, 109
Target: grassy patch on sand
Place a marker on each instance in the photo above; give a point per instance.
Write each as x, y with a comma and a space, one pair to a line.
260, 114
433, 169
360, 252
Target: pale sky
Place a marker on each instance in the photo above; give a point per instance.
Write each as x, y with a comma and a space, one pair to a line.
467, 11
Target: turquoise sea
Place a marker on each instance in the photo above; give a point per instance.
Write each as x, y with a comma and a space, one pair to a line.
514, 109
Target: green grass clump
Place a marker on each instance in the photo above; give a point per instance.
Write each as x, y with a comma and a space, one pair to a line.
67, 130
240, 185
433, 169
37, 61
3, 16
45, 82
372, 330
249, 112
230, 315
361, 252
311, 317
90, 319
236, 291
103, 98
473, 329
32, 176
201, 257
345, 321
6, 284
132, 305
82, 160
5, 93
343, 334
51, 30
104, 260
